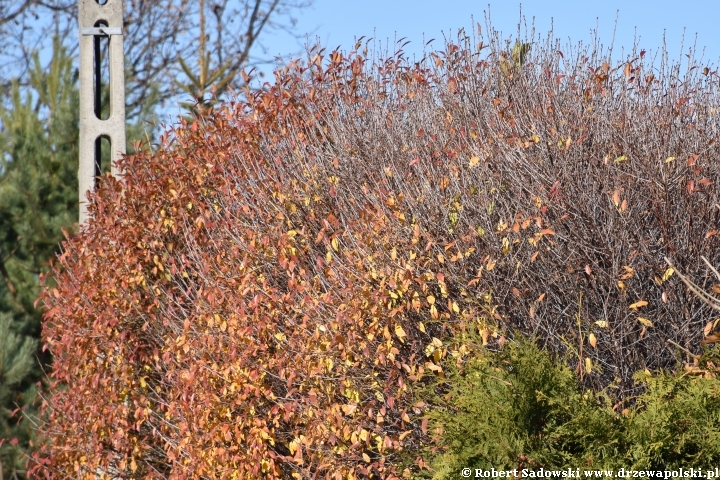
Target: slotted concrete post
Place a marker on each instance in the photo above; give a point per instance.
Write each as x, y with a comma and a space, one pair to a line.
97, 19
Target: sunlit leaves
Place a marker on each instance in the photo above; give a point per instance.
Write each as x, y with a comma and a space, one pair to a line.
638, 304
334, 238
645, 322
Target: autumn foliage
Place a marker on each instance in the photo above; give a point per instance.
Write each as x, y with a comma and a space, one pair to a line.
260, 295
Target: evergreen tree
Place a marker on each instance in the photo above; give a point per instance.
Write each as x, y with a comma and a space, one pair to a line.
17, 363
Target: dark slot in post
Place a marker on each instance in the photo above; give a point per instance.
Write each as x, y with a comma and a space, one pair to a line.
103, 144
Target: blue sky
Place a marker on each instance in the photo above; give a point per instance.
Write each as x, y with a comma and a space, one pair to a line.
338, 22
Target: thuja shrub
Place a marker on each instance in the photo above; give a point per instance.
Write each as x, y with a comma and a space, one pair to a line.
518, 408
262, 294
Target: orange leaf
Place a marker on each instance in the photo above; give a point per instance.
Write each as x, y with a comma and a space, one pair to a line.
639, 304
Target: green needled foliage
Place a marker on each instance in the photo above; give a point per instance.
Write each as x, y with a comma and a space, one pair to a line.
17, 363
519, 408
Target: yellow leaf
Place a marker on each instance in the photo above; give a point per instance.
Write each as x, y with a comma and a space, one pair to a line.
292, 233
535, 138
588, 365
431, 299
505, 246
480, 231
455, 307
601, 323
280, 336
400, 332
638, 304
621, 158
474, 161
366, 458
437, 343
334, 244
645, 321
328, 257
592, 340
421, 326
669, 159
668, 273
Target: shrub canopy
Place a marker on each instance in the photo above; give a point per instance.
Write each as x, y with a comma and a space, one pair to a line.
260, 295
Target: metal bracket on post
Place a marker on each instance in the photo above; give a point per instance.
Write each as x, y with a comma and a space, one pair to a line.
97, 21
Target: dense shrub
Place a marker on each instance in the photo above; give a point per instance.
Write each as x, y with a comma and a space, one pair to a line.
518, 408
264, 293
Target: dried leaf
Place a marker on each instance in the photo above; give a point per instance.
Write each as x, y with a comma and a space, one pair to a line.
645, 321
668, 273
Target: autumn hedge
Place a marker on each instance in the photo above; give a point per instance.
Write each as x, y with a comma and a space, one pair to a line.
259, 296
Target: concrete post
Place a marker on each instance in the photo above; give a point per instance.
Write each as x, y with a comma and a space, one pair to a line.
98, 18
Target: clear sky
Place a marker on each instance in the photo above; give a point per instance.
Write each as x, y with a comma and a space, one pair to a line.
338, 22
